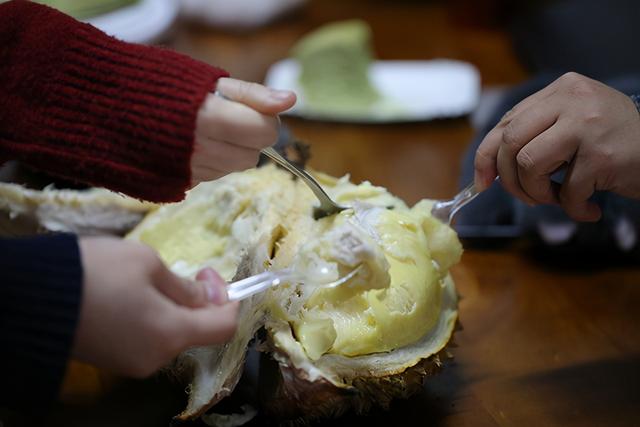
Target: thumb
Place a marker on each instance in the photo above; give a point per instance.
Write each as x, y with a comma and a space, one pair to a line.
209, 325
261, 98
208, 288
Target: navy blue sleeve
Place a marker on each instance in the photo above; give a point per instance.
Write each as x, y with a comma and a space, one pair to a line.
40, 295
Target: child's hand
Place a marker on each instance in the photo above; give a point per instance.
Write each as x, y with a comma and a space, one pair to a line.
230, 134
136, 315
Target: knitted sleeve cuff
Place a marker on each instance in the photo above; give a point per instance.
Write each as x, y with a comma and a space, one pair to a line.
88, 107
40, 296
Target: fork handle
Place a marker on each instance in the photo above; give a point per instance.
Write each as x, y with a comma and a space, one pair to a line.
244, 288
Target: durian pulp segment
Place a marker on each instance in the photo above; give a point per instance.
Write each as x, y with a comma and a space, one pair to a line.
395, 299
218, 221
399, 301
201, 236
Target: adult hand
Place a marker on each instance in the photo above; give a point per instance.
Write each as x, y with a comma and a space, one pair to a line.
136, 315
230, 134
577, 123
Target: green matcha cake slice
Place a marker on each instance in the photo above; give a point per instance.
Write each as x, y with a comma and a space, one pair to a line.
334, 62
84, 9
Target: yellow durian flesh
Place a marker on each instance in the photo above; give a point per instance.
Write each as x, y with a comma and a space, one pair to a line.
400, 300
218, 221
397, 305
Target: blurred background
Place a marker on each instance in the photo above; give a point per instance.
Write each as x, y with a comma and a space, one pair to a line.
541, 346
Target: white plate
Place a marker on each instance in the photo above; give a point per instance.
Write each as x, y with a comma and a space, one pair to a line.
411, 90
143, 22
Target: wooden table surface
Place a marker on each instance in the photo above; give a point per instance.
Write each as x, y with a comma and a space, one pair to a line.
540, 346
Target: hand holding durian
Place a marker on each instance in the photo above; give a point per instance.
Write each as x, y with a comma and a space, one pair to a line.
138, 120
136, 315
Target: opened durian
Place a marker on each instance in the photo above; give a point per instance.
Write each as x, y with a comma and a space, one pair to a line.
364, 343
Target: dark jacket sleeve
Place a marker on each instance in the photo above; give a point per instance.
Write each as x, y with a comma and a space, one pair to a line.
84, 106
40, 295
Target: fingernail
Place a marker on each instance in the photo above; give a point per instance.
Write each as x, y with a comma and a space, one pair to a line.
213, 295
280, 95
206, 274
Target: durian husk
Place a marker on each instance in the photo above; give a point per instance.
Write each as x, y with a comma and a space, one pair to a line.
214, 371
25, 211
295, 395
292, 400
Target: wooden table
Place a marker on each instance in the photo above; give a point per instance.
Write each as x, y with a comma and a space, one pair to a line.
540, 347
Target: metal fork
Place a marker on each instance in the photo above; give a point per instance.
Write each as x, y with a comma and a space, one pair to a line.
327, 205
245, 288
445, 210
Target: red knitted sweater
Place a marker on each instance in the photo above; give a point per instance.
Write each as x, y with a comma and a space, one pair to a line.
84, 106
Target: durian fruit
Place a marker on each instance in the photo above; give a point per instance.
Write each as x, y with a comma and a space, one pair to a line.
26, 211
364, 343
